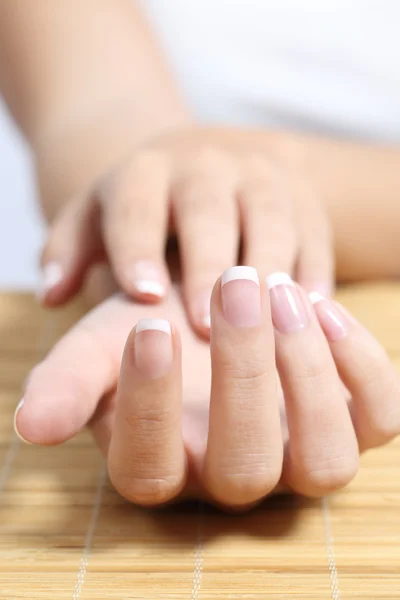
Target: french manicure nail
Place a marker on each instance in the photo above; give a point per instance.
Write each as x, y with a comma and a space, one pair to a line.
153, 347
148, 279
331, 320
240, 296
19, 406
51, 275
288, 311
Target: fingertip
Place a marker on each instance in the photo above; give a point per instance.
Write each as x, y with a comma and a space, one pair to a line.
199, 311
57, 284
50, 277
146, 282
16, 427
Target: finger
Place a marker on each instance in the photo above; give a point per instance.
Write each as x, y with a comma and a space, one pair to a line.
73, 243
244, 454
63, 391
146, 457
367, 372
269, 237
316, 264
207, 223
134, 204
323, 451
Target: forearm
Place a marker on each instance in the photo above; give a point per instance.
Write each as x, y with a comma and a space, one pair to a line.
360, 186
86, 81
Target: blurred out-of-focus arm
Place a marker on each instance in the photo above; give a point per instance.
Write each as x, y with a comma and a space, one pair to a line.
359, 183
86, 82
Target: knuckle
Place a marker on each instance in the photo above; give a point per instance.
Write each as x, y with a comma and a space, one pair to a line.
245, 375
312, 370
147, 161
130, 181
152, 421
209, 195
209, 159
258, 165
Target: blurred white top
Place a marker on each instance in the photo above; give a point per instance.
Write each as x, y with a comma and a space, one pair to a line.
331, 66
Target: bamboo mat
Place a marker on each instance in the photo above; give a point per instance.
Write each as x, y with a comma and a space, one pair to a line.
65, 534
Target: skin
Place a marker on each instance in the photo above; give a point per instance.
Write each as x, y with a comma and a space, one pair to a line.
88, 155
226, 437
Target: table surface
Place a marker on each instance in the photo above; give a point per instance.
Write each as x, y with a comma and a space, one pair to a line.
65, 534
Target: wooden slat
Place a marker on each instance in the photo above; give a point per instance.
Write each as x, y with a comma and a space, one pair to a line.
54, 503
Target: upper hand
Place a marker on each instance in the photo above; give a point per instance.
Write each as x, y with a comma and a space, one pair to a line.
216, 189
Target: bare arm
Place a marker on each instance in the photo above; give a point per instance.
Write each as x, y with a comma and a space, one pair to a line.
360, 186
86, 81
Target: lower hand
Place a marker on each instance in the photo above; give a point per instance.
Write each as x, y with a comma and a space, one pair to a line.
228, 437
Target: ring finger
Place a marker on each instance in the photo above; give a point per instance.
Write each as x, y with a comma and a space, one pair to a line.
323, 451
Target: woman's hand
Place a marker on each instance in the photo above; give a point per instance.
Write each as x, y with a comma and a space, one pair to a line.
220, 191
228, 438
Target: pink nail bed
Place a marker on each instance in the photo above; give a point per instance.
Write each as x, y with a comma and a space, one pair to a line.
240, 296
288, 311
153, 347
330, 319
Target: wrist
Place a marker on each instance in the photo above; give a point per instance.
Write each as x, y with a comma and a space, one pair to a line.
70, 158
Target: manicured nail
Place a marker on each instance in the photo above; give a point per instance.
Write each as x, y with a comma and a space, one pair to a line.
201, 308
148, 279
331, 320
153, 347
288, 311
19, 406
240, 296
51, 275
325, 289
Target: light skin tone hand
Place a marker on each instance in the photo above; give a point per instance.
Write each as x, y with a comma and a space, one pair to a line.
224, 438
214, 188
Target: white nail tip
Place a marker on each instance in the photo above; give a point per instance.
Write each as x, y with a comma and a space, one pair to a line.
150, 287
51, 276
315, 297
240, 273
279, 279
153, 325
19, 406
207, 321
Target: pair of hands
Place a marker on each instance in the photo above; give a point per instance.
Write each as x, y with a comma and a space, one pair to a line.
167, 433
223, 193
246, 435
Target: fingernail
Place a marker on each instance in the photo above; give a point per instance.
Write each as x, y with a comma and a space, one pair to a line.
240, 296
201, 308
325, 289
288, 311
331, 320
51, 275
153, 347
148, 279
19, 406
